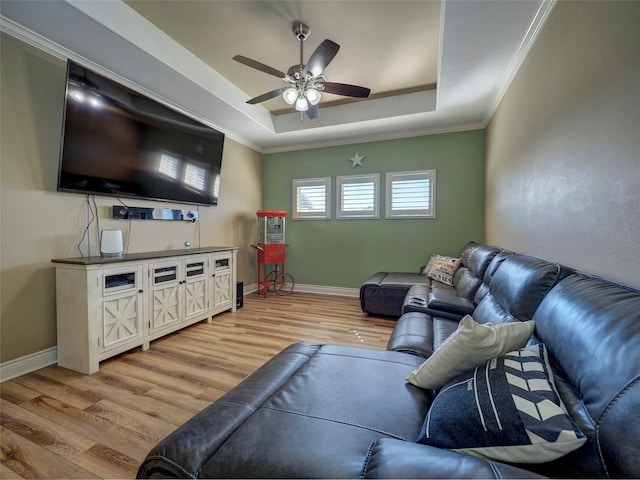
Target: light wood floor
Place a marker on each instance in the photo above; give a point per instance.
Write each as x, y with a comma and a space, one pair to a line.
56, 423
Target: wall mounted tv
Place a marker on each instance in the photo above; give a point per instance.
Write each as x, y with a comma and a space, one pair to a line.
118, 142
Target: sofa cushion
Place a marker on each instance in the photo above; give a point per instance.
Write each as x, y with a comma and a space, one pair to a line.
413, 334
507, 410
312, 411
517, 288
470, 345
384, 293
490, 271
451, 303
591, 328
477, 257
466, 283
391, 458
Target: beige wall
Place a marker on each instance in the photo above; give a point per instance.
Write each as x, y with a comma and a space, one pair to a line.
38, 223
563, 149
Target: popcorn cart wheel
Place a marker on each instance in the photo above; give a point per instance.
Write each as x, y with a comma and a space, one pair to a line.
281, 282
271, 273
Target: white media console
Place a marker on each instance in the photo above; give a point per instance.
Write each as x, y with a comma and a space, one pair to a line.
108, 305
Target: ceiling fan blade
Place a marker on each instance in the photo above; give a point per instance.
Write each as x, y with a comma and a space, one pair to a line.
259, 66
313, 112
266, 96
321, 57
346, 90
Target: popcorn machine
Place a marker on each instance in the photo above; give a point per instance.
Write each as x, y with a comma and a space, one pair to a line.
271, 250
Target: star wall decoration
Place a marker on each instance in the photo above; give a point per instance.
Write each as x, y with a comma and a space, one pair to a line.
357, 160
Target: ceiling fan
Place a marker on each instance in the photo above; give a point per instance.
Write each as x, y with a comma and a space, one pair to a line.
305, 81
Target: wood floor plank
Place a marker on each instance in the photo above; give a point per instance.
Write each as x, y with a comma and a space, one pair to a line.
92, 426
60, 391
43, 432
105, 462
149, 406
152, 428
159, 372
100, 378
7, 473
16, 393
57, 423
28, 460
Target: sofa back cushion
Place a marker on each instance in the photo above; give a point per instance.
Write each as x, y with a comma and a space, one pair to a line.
467, 251
465, 283
592, 330
479, 259
516, 289
475, 258
491, 269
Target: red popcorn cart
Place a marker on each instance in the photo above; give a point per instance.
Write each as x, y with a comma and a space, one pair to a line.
271, 248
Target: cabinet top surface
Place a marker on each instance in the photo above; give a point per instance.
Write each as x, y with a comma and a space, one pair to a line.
98, 260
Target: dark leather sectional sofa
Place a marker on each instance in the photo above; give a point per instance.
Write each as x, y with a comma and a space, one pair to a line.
327, 411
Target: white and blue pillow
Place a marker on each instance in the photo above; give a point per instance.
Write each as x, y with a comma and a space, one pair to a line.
507, 409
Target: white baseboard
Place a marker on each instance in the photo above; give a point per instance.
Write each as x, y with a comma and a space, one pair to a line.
28, 363
318, 289
326, 290
44, 358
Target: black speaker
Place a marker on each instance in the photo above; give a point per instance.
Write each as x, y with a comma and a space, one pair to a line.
239, 294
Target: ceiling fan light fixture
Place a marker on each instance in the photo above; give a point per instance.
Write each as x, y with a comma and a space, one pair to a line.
306, 82
302, 105
290, 95
313, 96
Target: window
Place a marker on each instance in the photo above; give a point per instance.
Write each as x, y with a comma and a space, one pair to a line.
311, 199
357, 196
411, 194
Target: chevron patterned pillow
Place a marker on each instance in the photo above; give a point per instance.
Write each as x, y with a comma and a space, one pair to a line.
507, 410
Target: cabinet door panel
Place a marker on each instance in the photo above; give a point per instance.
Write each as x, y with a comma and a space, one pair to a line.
166, 294
195, 288
120, 320
196, 297
122, 310
166, 306
222, 290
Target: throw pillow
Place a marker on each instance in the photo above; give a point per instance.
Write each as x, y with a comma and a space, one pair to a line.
443, 269
432, 259
472, 344
507, 410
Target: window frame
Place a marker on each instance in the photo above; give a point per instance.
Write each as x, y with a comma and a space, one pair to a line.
301, 182
392, 177
355, 179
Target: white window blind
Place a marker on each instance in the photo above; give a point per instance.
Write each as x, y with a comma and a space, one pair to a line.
311, 199
411, 194
357, 196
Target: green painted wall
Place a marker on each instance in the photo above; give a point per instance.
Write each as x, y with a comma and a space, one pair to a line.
344, 253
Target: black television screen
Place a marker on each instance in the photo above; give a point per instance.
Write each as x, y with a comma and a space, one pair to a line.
118, 142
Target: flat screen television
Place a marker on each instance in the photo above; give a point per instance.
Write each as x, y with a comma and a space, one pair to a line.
118, 142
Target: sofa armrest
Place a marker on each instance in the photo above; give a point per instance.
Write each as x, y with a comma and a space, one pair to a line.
413, 334
392, 458
449, 303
